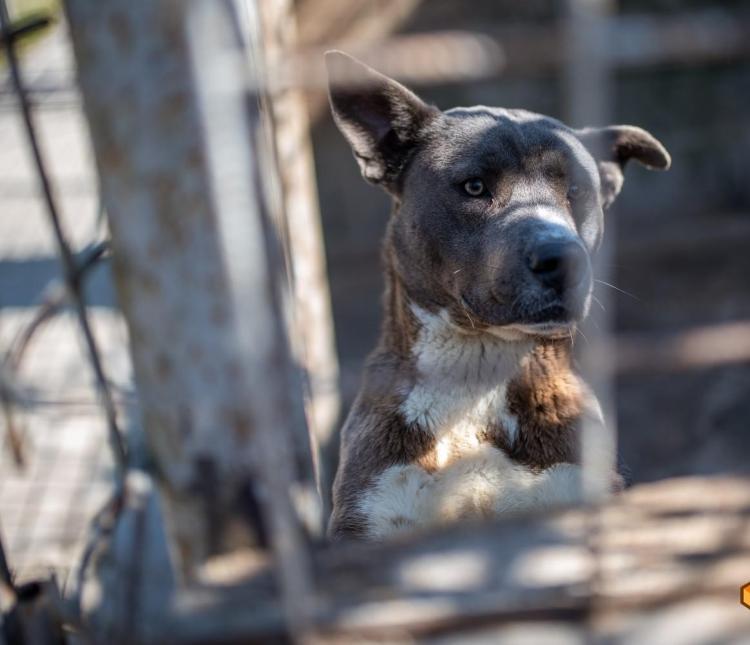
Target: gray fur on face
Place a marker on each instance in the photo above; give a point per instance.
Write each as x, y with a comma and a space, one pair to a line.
544, 183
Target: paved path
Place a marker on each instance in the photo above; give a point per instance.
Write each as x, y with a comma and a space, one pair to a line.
46, 506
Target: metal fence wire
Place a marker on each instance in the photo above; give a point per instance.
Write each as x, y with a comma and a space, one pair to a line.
38, 517
207, 225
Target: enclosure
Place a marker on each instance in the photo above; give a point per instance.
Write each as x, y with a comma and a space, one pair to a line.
190, 281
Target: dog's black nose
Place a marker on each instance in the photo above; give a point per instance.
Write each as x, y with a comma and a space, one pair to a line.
558, 264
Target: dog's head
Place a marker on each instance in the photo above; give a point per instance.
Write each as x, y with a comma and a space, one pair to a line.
497, 211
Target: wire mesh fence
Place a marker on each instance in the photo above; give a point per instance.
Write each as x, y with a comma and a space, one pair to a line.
56, 472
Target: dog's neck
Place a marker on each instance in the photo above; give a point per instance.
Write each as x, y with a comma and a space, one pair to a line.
438, 349
463, 385
456, 357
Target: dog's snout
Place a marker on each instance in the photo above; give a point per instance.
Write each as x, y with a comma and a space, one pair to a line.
558, 264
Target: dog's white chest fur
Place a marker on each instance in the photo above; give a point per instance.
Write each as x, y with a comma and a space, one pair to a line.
460, 393
458, 416
462, 384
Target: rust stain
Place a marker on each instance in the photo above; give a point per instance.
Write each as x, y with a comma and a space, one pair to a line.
171, 24
240, 424
169, 209
172, 108
194, 158
112, 157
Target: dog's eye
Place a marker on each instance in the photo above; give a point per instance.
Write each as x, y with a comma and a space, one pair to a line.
574, 192
474, 187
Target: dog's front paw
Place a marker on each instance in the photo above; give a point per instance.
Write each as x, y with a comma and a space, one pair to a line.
560, 485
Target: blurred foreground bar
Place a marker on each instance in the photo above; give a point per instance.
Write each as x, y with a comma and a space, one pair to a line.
699, 347
198, 277
671, 558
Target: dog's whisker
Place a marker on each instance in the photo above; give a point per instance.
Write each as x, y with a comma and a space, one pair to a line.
481, 282
578, 330
598, 302
466, 311
515, 302
611, 286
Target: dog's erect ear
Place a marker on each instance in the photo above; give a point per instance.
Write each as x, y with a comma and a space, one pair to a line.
614, 146
381, 119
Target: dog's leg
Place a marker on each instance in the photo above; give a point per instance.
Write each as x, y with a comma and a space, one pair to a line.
488, 484
396, 503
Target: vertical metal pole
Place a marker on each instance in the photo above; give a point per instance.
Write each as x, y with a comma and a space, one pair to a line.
194, 278
237, 148
588, 102
312, 324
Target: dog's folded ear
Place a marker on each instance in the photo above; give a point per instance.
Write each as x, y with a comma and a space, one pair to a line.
381, 119
614, 146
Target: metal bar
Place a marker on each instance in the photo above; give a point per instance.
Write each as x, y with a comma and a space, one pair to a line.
54, 298
167, 265
71, 271
196, 275
588, 103
241, 167
313, 341
25, 27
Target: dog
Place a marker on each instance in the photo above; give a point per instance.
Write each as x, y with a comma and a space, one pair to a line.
470, 406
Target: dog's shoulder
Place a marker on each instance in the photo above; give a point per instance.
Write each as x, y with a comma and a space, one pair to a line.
375, 437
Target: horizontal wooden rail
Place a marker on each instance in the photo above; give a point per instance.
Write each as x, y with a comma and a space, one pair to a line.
677, 543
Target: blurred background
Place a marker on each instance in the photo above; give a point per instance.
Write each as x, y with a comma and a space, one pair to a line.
681, 236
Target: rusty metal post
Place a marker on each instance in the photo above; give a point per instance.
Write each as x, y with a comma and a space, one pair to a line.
588, 102
207, 335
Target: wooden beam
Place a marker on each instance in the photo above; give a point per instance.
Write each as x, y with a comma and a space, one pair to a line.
662, 546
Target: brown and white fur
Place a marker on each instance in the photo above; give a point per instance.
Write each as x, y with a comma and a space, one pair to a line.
470, 406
